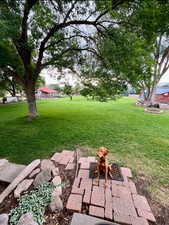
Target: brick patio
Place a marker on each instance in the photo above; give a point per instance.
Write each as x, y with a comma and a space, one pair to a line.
118, 202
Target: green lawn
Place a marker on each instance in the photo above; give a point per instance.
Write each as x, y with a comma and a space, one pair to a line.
136, 139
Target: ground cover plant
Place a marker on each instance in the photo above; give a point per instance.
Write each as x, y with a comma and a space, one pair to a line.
35, 202
136, 139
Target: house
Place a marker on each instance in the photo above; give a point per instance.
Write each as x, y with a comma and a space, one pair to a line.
162, 93
45, 92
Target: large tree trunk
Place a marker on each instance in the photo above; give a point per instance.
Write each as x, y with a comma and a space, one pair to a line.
151, 98
31, 100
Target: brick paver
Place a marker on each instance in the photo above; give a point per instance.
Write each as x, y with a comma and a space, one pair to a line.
76, 190
96, 211
126, 172
83, 159
122, 206
70, 166
85, 165
98, 197
83, 174
147, 215
122, 218
56, 157
95, 182
108, 204
91, 159
140, 202
116, 182
139, 221
65, 157
74, 203
132, 187
117, 201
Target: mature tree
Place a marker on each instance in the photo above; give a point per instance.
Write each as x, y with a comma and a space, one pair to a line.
36, 34
137, 47
154, 27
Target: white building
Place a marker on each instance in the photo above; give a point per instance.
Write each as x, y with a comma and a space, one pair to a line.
53, 76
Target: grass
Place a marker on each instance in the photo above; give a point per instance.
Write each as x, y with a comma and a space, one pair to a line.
137, 139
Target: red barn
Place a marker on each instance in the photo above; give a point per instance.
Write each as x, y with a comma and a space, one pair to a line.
45, 92
162, 94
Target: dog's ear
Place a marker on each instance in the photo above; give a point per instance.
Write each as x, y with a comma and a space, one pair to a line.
106, 151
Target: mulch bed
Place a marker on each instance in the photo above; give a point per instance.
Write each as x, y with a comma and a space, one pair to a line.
160, 212
64, 217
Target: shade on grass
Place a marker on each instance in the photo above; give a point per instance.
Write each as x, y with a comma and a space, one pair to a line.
63, 124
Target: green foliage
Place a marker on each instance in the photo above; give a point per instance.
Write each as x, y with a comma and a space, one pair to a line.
128, 56
68, 90
36, 201
40, 82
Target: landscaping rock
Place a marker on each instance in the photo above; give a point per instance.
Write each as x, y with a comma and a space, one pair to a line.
56, 157
4, 219
9, 171
56, 202
27, 219
55, 171
42, 177
18, 179
23, 186
81, 219
57, 181
34, 172
47, 164
3, 162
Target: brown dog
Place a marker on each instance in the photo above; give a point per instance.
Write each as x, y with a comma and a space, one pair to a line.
103, 167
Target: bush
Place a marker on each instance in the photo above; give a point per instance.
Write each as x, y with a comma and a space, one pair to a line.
35, 201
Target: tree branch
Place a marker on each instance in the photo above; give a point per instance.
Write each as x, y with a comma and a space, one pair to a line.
51, 33
69, 11
27, 7
68, 38
68, 50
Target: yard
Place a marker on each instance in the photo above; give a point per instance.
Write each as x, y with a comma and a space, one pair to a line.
136, 139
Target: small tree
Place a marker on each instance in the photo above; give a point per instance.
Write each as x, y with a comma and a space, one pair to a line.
68, 90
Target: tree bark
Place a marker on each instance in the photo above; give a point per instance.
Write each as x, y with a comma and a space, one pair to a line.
31, 100
150, 98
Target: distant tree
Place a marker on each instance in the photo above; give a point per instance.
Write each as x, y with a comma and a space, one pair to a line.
76, 89
68, 90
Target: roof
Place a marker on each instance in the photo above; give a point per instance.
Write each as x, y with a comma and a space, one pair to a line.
162, 88
46, 89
